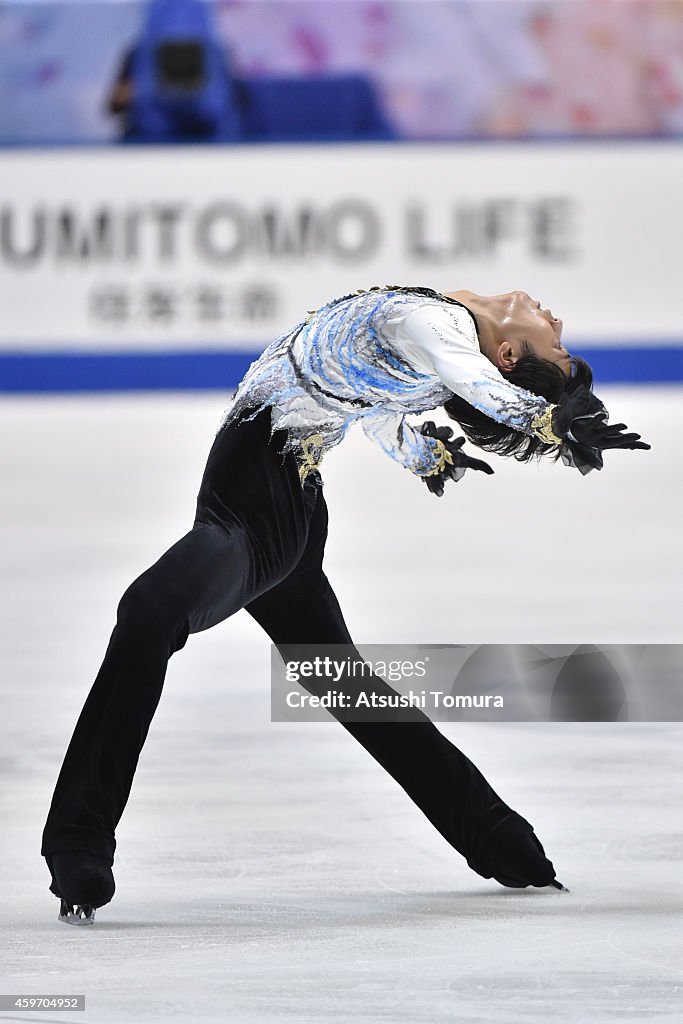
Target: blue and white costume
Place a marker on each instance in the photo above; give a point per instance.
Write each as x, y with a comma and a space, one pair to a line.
375, 357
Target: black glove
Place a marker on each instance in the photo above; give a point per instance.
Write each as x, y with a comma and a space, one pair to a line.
454, 470
580, 419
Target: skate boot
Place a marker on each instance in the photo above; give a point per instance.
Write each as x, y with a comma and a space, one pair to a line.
511, 853
83, 881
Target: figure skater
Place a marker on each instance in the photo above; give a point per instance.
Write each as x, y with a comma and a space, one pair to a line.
497, 365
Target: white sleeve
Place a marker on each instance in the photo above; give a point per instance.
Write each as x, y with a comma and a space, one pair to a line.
443, 339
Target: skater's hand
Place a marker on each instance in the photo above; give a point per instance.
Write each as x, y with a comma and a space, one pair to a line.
455, 460
580, 420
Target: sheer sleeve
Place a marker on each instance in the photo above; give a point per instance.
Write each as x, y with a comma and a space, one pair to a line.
397, 438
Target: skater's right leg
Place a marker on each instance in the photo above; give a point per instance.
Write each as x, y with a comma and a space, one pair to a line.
302, 615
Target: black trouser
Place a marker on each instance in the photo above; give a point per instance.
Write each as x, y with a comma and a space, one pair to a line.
257, 543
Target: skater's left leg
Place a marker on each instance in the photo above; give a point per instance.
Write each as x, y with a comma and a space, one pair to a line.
303, 610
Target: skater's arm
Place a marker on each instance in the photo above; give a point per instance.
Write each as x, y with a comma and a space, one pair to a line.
443, 339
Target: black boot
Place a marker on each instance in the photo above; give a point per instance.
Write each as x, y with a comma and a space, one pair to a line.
511, 853
83, 881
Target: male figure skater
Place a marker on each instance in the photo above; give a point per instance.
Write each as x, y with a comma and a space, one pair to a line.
498, 366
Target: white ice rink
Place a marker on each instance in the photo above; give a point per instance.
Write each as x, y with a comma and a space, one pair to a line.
272, 872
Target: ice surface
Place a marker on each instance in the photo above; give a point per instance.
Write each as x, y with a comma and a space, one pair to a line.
273, 872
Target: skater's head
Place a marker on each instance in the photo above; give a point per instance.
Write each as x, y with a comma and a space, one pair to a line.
513, 325
524, 342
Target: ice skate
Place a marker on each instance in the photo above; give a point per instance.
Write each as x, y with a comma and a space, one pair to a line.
83, 882
512, 854
76, 914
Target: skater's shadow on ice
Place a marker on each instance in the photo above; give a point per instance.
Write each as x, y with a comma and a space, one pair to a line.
358, 909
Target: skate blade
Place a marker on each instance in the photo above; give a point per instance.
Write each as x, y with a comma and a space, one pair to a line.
79, 915
558, 885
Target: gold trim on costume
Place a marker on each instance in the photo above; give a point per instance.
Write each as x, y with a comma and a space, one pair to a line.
444, 457
542, 426
312, 457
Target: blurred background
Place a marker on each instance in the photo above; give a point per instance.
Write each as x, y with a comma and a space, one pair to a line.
440, 69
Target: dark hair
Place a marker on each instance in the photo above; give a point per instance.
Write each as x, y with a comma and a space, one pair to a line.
540, 377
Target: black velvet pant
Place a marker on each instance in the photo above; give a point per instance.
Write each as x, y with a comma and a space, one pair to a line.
257, 543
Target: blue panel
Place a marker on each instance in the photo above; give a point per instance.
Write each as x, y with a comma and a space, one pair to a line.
122, 371
646, 364
179, 371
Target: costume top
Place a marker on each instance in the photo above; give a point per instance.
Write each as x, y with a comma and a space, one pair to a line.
375, 357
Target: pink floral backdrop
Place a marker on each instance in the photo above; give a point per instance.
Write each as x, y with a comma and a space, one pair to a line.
443, 68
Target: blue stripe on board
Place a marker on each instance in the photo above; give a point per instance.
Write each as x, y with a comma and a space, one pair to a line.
41, 371
122, 371
651, 364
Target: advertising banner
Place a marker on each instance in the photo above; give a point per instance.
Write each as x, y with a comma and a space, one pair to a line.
182, 248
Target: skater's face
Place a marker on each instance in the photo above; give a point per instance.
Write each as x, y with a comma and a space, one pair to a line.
525, 324
514, 324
